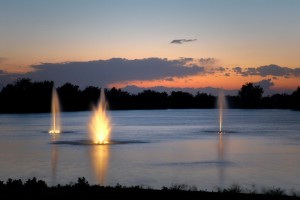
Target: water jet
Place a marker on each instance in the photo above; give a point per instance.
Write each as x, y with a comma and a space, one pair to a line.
99, 126
221, 107
55, 124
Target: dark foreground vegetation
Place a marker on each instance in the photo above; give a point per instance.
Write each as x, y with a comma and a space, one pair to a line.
38, 189
25, 96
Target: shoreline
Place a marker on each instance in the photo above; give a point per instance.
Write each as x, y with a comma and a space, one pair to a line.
38, 189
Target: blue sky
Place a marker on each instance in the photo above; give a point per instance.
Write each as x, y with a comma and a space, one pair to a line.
236, 33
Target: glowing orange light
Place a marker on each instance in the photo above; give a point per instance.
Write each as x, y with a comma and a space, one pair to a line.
99, 126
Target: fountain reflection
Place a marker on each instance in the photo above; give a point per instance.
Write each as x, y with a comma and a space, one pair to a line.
54, 158
100, 160
222, 145
221, 159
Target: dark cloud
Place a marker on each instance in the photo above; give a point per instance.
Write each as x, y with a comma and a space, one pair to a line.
185, 60
104, 72
237, 70
181, 41
6, 78
207, 61
273, 70
2, 72
220, 69
268, 70
250, 71
169, 79
265, 84
296, 72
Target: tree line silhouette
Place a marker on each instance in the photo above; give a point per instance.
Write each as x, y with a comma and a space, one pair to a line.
26, 96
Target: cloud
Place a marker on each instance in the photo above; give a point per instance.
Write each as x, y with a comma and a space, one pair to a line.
181, 41
169, 79
220, 69
2, 72
203, 62
273, 70
237, 70
107, 72
6, 78
268, 70
296, 72
265, 84
207, 61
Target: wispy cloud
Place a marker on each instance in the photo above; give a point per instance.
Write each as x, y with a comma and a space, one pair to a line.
181, 41
268, 70
207, 61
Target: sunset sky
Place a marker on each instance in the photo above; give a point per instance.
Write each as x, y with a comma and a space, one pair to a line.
148, 43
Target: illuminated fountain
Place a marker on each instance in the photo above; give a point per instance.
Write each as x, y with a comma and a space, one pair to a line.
55, 130
221, 107
55, 125
99, 126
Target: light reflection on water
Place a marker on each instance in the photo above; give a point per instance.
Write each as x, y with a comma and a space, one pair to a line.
54, 158
260, 147
100, 162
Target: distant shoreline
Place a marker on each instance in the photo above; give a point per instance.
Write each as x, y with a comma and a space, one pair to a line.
25, 96
160, 109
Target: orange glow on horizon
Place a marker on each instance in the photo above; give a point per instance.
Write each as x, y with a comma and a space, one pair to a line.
232, 82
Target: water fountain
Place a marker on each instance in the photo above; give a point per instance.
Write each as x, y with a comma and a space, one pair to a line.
221, 106
55, 125
99, 126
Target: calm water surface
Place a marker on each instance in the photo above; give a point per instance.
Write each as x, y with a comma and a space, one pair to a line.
161, 148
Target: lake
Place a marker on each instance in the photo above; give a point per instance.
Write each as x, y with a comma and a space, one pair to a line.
260, 148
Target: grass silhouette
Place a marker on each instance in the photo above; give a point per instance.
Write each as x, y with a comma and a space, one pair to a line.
38, 189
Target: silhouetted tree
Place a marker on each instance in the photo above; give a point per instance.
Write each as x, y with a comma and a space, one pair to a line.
35, 184
251, 95
181, 100
296, 99
26, 96
281, 101
16, 184
70, 97
149, 99
203, 100
234, 102
119, 99
90, 96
